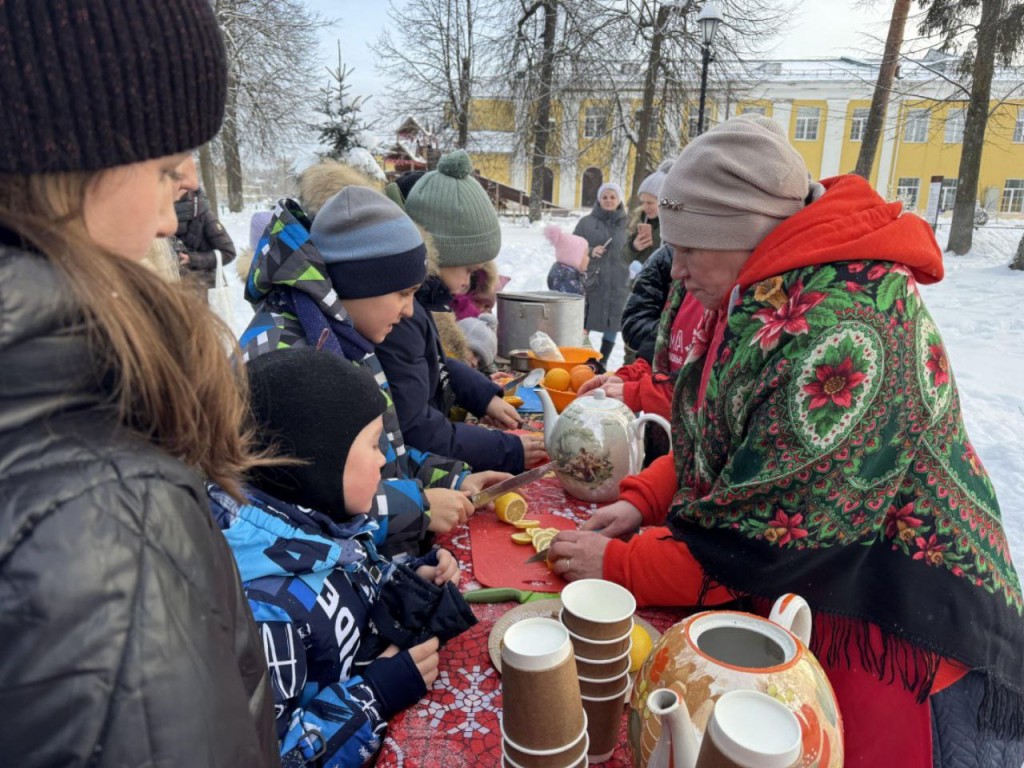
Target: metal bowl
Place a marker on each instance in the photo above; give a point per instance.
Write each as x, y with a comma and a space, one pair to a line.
519, 360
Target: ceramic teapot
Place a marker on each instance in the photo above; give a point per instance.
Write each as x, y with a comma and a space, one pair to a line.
711, 653
595, 443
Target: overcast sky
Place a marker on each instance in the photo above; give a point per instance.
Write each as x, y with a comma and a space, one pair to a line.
817, 28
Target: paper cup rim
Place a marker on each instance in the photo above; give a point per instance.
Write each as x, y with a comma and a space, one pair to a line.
574, 636
576, 762
606, 680
620, 657
543, 752
618, 695
620, 591
530, 663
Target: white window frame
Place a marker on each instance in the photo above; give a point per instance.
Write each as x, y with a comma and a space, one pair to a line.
908, 194
858, 123
808, 123
1013, 196
753, 109
956, 119
1018, 128
915, 131
595, 122
947, 194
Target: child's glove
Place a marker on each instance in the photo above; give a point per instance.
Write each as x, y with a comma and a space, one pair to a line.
396, 681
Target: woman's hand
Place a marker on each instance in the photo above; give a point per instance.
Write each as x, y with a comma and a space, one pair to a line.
503, 413
426, 658
643, 239
597, 252
447, 508
615, 520
478, 481
595, 383
578, 554
447, 569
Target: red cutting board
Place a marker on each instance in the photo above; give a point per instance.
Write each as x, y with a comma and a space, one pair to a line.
500, 562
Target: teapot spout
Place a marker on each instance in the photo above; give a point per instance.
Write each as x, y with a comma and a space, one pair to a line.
677, 746
550, 418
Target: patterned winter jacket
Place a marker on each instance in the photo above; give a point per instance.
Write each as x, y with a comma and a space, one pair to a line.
565, 279
312, 585
295, 301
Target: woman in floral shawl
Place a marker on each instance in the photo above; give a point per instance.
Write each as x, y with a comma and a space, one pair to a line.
820, 449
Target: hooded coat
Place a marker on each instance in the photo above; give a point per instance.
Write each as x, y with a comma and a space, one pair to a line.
607, 282
125, 638
820, 450
426, 384
201, 235
296, 305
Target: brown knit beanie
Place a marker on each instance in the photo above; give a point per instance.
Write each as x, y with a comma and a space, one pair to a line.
733, 185
92, 84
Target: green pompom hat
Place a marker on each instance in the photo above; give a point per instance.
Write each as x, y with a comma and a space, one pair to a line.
452, 206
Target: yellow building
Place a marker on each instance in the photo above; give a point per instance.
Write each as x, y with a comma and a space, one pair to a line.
823, 103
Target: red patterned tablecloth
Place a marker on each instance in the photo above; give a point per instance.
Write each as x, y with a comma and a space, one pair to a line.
456, 725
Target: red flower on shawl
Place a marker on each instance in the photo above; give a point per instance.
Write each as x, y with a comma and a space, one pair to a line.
938, 364
784, 528
835, 385
972, 458
788, 318
877, 271
900, 522
701, 337
930, 551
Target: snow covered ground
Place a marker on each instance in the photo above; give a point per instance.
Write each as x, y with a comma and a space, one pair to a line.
976, 308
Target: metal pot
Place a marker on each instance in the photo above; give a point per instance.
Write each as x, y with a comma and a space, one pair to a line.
520, 315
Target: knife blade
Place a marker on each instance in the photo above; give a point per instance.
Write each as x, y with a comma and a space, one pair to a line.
525, 478
510, 386
542, 555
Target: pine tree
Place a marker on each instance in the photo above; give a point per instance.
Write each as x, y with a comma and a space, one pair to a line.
343, 124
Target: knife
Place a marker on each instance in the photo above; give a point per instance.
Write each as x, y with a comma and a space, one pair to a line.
488, 495
509, 386
506, 594
542, 555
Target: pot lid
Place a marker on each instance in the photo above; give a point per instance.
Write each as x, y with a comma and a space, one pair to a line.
599, 400
538, 296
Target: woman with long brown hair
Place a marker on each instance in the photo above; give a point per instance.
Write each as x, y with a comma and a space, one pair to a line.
125, 638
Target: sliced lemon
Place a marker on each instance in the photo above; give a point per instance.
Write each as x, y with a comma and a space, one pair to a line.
521, 538
543, 542
524, 523
510, 507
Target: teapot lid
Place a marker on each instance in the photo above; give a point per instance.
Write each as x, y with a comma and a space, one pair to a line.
599, 399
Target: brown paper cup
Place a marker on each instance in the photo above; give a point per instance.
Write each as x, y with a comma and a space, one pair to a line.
600, 650
597, 609
601, 688
541, 707
565, 758
604, 718
507, 762
602, 670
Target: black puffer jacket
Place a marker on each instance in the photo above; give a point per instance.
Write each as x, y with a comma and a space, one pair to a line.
125, 638
200, 234
607, 276
646, 303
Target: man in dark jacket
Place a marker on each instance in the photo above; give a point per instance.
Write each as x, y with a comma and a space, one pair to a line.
200, 236
646, 303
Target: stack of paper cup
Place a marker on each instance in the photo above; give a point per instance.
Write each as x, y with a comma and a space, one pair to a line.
543, 724
599, 618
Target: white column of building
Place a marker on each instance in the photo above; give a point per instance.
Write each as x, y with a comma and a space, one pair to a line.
835, 125
781, 113
569, 163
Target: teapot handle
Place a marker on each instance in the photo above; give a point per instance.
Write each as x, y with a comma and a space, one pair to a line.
636, 432
793, 613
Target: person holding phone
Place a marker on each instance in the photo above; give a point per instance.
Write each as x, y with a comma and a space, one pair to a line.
607, 283
644, 229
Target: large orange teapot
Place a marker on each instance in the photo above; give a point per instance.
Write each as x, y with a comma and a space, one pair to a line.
715, 652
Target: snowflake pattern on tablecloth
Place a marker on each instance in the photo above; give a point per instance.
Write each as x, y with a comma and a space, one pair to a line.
465, 696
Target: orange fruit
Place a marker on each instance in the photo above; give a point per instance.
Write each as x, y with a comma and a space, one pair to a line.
558, 378
579, 376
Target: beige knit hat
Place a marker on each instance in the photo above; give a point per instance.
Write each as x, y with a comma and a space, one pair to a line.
733, 185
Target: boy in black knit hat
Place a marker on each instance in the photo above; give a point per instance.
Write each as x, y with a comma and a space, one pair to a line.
353, 638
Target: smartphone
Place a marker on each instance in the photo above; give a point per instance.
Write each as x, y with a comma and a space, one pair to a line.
644, 228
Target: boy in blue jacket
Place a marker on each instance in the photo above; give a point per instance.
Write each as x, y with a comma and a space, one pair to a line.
350, 637
341, 283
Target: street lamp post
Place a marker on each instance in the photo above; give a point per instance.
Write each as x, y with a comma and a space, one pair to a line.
709, 19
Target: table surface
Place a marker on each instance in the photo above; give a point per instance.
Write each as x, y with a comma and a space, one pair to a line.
456, 725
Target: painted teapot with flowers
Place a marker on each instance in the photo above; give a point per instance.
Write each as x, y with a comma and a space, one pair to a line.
595, 443
711, 653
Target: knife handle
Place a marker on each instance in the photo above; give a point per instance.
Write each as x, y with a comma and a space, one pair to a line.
492, 595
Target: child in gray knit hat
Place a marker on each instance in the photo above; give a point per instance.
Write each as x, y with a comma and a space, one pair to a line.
482, 338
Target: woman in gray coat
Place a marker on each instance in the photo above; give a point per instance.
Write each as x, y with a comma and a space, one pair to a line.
604, 229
